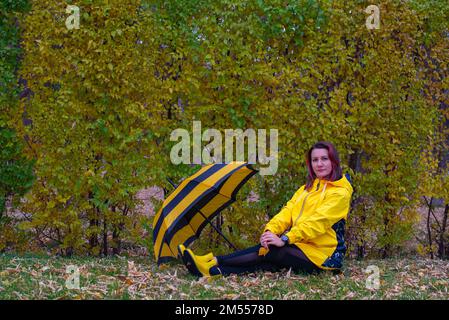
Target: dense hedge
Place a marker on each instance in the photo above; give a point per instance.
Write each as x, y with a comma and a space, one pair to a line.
16, 171
104, 98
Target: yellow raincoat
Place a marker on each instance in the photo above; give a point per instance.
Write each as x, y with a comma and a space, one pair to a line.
315, 221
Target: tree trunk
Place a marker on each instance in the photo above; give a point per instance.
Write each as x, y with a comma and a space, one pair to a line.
361, 248
93, 240
69, 251
443, 241
429, 231
105, 238
118, 231
116, 237
355, 161
117, 241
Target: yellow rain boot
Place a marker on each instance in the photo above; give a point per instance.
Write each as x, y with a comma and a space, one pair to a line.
206, 258
188, 261
200, 268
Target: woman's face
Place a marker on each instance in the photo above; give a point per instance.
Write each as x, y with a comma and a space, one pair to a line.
321, 164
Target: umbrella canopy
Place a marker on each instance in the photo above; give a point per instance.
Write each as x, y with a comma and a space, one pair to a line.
192, 205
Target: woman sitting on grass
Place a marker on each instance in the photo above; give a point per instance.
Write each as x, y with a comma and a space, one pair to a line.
307, 235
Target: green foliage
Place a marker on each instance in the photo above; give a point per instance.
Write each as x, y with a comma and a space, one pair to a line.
95, 129
435, 17
16, 170
9, 53
108, 95
14, 5
289, 21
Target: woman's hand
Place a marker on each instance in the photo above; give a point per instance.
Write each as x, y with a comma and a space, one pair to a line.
269, 238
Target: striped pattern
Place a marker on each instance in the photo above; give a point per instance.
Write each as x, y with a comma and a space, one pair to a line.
210, 190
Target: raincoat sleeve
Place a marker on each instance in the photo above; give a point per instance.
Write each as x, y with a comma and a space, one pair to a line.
283, 220
334, 208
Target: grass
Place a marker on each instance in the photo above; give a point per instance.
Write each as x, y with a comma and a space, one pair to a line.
44, 277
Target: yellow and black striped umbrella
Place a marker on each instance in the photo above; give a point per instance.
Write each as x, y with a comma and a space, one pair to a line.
193, 204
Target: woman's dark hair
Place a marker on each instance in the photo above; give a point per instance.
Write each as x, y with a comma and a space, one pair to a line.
336, 172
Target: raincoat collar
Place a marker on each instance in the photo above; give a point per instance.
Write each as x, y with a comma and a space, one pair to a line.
343, 182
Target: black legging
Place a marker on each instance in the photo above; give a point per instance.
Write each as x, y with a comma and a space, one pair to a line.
277, 258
